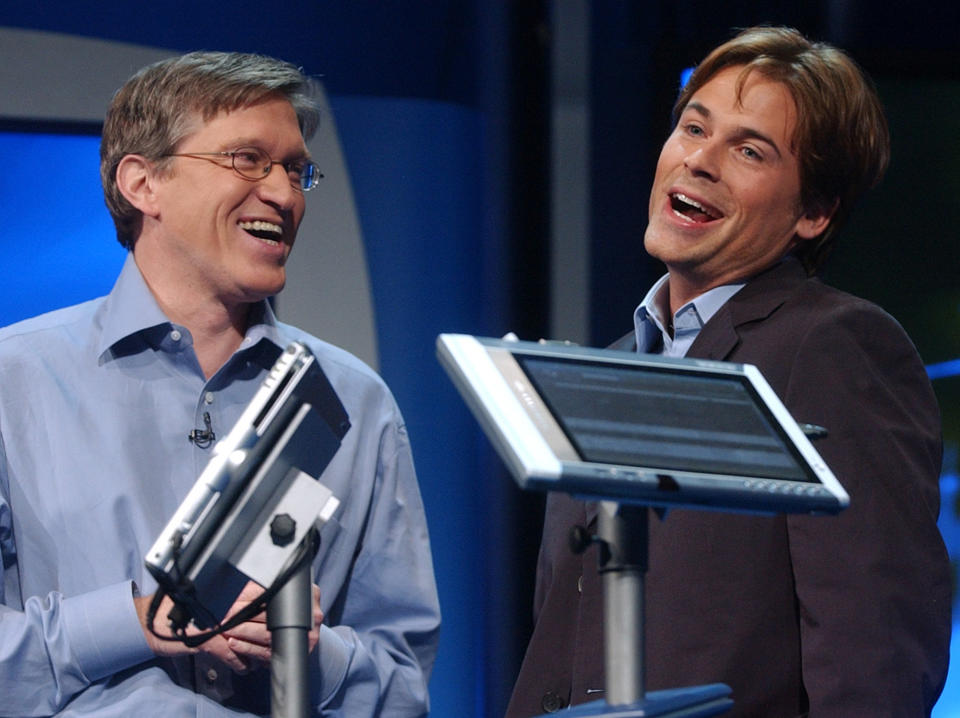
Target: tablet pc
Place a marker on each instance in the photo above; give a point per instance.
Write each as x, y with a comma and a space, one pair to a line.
640, 428
267, 463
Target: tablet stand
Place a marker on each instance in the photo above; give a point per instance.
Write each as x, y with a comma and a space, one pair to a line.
623, 544
256, 506
289, 620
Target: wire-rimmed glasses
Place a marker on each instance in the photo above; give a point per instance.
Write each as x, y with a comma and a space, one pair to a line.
253, 163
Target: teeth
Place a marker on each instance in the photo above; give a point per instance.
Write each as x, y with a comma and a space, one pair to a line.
261, 226
693, 203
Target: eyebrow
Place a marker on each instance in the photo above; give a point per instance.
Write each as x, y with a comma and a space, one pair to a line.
741, 131
244, 142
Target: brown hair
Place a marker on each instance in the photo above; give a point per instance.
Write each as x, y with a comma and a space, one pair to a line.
841, 139
159, 106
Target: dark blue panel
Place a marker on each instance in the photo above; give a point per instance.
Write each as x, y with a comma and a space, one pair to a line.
415, 171
401, 49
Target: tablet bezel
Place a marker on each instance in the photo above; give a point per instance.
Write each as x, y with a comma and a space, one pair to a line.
540, 456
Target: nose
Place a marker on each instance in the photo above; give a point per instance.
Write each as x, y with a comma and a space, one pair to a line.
703, 160
275, 189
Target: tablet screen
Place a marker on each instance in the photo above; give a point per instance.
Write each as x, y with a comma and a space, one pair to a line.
617, 414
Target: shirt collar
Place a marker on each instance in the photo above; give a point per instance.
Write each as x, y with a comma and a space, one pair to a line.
648, 319
131, 308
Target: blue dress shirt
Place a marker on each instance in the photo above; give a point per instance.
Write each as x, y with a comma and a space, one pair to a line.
96, 403
651, 331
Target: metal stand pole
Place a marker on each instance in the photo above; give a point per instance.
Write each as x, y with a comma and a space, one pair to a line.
623, 538
623, 563
289, 619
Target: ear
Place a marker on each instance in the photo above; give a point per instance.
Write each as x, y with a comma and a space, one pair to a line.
137, 182
813, 224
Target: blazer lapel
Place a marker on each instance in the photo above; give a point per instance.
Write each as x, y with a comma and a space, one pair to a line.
760, 298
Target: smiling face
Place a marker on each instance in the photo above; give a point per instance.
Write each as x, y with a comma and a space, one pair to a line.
725, 202
214, 234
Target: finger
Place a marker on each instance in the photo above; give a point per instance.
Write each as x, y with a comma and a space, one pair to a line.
219, 647
260, 618
317, 612
250, 593
249, 652
250, 633
313, 638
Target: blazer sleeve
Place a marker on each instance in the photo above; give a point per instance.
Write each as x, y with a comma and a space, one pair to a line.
873, 583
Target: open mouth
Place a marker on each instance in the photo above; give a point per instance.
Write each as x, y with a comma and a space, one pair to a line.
266, 231
692, 209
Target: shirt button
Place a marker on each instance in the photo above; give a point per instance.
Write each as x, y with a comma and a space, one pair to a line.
211, 675
552, 702
175, 335
208, 397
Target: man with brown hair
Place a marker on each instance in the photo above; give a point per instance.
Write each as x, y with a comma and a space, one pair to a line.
775, 138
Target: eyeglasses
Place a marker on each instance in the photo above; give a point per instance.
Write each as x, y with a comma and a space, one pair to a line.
252, 163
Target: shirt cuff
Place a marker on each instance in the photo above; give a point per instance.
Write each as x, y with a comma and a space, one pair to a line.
104, 632
334, 659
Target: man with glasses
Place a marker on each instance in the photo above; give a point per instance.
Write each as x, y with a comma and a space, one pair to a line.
204, 167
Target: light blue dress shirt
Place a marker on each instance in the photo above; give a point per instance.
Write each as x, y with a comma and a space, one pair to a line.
96, 403
651, 330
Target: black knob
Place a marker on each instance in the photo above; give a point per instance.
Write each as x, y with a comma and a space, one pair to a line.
283, 529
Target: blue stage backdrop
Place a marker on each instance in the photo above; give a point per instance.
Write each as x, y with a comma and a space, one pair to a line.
419, 196
59, 245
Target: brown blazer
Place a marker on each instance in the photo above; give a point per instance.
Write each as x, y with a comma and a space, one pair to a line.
826, 616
